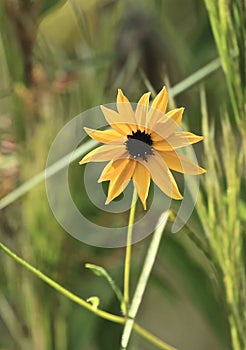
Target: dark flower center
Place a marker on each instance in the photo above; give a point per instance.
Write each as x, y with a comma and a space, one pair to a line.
139, 145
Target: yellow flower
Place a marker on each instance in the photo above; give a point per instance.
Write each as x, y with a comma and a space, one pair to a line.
141, 146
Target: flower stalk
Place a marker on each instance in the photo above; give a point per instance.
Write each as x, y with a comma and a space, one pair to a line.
129, 251
143, 279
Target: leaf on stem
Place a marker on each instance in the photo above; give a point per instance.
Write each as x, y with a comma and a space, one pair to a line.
94, 301
101, 272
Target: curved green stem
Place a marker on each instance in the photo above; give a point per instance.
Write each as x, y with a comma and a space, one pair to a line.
129, 250
62, 290
106, 315
152, 338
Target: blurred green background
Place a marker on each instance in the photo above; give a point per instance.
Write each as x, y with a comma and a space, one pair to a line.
57, 59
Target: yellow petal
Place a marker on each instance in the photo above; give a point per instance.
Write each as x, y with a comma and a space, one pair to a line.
121, 98
120, 177
162, 145
105, 153
116, 121
162, 176
168, 123
158, 108
180, 163
107, 172
160, 101
177, 140
141, 111
106, 136
141, 179
176, 115
155, 137
192, 138
125, 110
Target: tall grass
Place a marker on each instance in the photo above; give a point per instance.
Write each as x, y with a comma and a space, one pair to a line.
225, 182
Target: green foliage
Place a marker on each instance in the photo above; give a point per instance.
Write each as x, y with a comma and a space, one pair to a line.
49, 5
101, 272
80, 55
228, 23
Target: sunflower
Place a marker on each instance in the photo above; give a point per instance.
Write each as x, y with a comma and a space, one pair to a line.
142, 146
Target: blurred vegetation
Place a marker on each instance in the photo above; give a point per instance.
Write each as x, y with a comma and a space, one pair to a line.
59, 58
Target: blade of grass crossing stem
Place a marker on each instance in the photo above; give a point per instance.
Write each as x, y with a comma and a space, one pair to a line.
143, 279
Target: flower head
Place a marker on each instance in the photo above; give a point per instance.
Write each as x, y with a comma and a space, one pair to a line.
141, 146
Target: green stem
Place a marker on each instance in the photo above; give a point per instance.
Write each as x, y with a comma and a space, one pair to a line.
152, 338
106, 315
129, 250
62, 290
143, 279
195, 78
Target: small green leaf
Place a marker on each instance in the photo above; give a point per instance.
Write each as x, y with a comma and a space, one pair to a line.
101, 272
94, 301
97, 270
